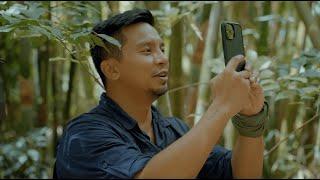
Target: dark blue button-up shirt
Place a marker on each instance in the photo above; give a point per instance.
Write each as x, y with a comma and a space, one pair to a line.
107, 143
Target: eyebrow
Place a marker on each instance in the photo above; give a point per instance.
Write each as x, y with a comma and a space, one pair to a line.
148, 42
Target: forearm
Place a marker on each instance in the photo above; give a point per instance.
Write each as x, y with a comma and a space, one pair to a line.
185, 157
247, 157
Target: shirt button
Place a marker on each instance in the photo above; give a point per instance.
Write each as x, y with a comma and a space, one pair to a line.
104, 164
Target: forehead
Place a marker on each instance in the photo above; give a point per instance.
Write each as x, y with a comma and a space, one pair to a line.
140, 33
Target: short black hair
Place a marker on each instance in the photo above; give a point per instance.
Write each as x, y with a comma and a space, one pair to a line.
112, 27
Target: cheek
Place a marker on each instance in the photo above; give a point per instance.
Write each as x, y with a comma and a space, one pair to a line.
138, 69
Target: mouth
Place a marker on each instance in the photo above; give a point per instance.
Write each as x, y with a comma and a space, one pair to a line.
162, 75
165, 78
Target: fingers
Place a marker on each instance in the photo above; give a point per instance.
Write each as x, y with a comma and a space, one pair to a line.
254, 77
234, 62
244, 74
248, 67
256, 86
247, 82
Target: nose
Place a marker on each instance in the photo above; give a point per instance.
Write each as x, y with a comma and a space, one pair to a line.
161, 58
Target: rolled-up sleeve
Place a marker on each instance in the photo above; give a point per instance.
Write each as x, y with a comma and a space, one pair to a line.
218, 164
98, 152
122, 160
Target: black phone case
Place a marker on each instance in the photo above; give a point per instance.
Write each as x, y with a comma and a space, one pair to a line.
234, 46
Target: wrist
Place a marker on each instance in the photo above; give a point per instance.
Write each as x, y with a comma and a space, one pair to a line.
251, 126
222, 109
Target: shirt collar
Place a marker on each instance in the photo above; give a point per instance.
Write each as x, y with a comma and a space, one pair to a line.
123, 117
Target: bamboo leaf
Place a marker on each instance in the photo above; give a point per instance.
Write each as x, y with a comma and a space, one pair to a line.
268, 17
6, 28
110, 40
271, 87
33, 154
310, 73
34, 10
54, 31
77, 35
281, 95
265, 74
15, 9
9, 18
292, 78
43, 31
265, 82
97, 41
285, 95
63, 59
197, 31
265, 65
310, 90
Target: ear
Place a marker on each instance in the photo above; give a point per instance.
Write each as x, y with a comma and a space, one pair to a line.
110, 68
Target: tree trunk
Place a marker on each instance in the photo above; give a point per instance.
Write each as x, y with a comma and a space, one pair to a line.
114, 7
176, 74
316, 157
196, 64
152, 5
309, 20
26, 86
72, 71
2, 95
264, 31
276, 28
308, 138
2, 83
205, 74
43, 67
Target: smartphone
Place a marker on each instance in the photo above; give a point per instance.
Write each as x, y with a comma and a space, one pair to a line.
232, 42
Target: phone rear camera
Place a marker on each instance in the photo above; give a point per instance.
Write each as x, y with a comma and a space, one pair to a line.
229, 31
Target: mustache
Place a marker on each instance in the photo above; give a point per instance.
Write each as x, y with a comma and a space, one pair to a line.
163, 72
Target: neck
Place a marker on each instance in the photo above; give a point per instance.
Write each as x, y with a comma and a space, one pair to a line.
136, 103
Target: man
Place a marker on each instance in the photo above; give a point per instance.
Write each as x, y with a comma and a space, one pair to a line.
126, 137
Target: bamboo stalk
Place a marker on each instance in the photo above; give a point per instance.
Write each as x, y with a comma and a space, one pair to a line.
196, 61
175, 56
309, 20
317, 144
72, 71
2, 96
212, 35
263, 48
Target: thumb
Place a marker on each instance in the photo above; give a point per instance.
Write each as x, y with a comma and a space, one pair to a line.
234, 62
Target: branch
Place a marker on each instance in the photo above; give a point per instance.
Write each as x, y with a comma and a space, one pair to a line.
169, 104
73, 57
186, 86
292, 133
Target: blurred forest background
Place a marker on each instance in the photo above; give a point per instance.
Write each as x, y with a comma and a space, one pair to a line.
47, 77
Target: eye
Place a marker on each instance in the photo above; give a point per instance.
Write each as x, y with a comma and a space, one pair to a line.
162, 49
146, 50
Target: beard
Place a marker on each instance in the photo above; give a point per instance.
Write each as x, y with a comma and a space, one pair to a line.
160, 91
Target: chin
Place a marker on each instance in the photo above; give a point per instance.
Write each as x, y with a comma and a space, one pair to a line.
160, 91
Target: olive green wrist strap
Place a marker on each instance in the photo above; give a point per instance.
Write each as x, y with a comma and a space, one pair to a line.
251, 126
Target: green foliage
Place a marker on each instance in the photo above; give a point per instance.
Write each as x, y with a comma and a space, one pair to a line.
294, 83
26, 157
299, 77
290, 76
31, 20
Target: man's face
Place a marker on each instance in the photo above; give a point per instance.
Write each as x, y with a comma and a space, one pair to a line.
143, 59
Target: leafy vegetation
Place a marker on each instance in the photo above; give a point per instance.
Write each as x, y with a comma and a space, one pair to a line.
46, 74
